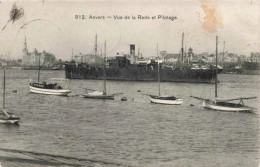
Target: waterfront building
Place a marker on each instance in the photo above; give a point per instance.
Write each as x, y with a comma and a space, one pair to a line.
190, 55
32, 59
91, 59
243, 58
210, 59
255, 57
172, 57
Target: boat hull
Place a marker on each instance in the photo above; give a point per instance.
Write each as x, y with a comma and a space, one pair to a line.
169, 102
212, 105
6, 121
58, 92
105, 97
134, 73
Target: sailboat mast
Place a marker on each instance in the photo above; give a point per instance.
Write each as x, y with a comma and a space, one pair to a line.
182, 41
216, 69
138, 51
185, 55
4, 98
4, 92
104, 69
158, 72
223, 55
96, 45
95, 50
39, 68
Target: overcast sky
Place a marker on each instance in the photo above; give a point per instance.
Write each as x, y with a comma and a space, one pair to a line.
51, 26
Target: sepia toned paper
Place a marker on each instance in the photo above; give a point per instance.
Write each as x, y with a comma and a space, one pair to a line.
71, 131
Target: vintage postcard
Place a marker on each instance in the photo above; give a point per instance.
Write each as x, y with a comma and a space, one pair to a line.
129, 83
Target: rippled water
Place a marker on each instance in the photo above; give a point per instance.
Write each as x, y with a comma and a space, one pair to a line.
135, 132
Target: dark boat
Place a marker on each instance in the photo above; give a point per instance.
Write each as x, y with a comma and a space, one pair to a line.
233, 70
123, 99
122, 70
126, 68
251, 68
245, 68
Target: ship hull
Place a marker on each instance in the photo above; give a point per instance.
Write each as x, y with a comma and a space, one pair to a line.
141, 74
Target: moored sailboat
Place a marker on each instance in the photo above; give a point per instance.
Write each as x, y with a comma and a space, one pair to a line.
224, 104
94, 94
6, 117
98, 95
47, 88
171, 100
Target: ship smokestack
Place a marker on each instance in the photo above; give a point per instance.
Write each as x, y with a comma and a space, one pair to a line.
132, 49
132, 54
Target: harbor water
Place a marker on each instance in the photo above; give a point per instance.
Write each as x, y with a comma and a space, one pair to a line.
134, 132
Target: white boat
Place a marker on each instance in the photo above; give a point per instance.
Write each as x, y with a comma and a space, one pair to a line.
171, 100
98, 95
10, 119
166, 100
47, 88
5, 117
224, 104
94, 94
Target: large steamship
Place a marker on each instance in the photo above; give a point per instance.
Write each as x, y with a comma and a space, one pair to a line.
128, 68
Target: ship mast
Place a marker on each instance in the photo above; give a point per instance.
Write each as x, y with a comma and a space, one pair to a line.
39, 68
4, 92
138, 51
96, 45
185, 55
72, 57
104, 69
95, 50
182, 41
216, 69
158, 72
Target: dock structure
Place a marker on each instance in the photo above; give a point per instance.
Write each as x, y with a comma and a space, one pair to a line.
19, 158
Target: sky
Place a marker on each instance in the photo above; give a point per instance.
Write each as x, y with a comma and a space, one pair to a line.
51, 26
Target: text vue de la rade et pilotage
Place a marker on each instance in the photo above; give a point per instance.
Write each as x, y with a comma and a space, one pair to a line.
126, 17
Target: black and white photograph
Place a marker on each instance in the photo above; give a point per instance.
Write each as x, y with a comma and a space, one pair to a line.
120, 83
